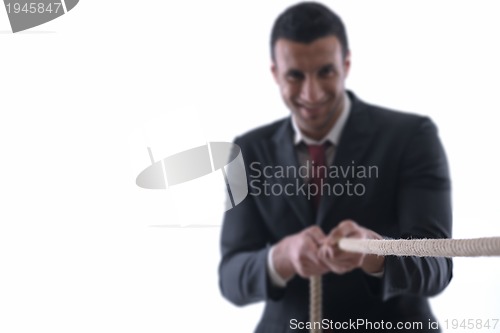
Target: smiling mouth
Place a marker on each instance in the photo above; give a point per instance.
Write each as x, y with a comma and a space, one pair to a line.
311, 111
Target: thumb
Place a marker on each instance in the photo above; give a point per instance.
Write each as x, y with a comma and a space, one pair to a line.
316, 234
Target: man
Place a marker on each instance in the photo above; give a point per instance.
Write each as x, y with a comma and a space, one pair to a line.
285, 232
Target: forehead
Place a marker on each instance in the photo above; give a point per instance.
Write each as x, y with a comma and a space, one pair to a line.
322, 51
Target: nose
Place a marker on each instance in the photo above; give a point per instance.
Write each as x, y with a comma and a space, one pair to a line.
311, 92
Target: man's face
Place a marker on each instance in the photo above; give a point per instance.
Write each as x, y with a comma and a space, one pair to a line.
311, 79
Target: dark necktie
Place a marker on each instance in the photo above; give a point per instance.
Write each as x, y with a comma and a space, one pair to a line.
318, 170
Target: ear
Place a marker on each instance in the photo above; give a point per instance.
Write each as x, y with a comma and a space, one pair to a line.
347, 63
274, 70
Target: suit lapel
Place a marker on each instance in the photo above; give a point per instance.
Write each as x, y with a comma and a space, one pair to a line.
354, 142
353, 145
286, 156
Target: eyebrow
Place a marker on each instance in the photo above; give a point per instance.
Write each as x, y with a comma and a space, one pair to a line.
294, 71
328, 67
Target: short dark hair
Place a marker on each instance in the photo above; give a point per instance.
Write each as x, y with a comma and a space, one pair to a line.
307, 21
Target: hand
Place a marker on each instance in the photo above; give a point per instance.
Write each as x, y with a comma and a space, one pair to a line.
298, 254
342, 262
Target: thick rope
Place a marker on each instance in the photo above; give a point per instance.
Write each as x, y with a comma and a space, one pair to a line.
424, 247
315, 303
477, 247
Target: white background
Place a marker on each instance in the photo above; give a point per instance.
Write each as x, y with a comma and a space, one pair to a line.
82, 248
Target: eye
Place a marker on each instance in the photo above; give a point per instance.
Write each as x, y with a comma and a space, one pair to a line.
327, 71
294, 75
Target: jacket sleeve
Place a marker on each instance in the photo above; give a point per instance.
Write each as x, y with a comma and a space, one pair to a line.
245, 243
424, 211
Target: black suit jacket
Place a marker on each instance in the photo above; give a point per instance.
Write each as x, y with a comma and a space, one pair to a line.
409, 197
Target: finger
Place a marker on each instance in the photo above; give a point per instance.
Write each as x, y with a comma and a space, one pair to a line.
346, 228
319, 257
327, 262
330, 241
335, 236
312, 258
316, 234
326, 252
344, 256
325, 256
322, 269
351, 262
343, 260
373, 235
309, 268
329, 256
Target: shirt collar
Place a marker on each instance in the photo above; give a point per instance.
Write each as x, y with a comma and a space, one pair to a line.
333, 136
